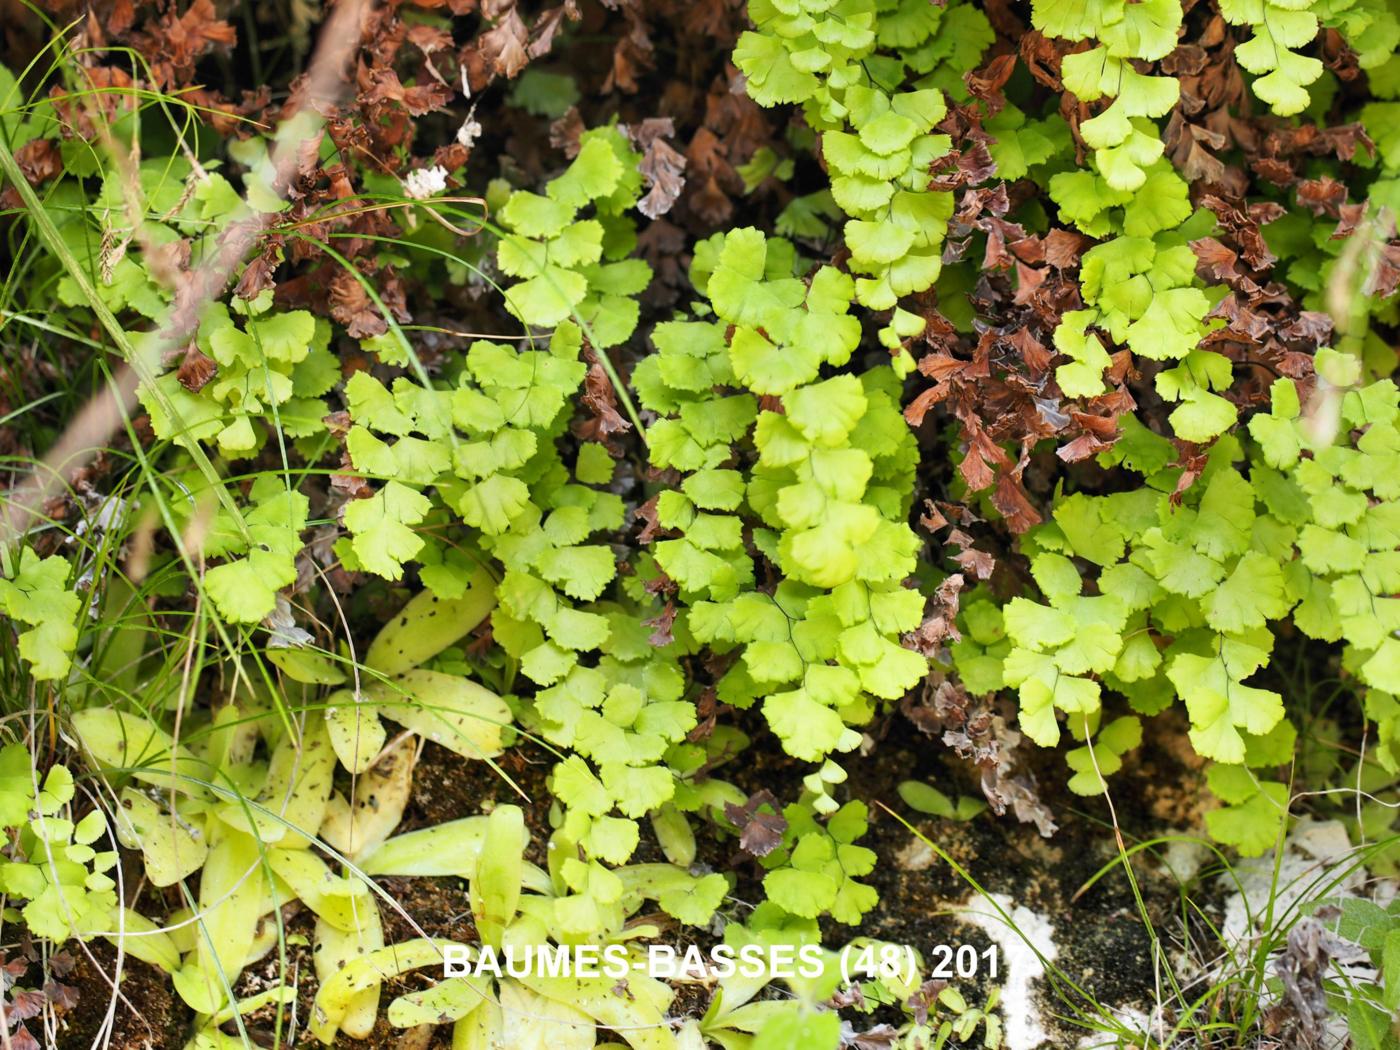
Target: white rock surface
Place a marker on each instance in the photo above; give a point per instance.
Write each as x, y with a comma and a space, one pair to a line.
1314, 858
1020, 966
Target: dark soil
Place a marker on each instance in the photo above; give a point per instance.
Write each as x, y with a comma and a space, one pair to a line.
147, 1014
447, 786
1104, 947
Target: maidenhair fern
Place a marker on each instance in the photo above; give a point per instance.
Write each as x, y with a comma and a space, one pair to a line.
817, 489
1290, 526
847, 64
1123, 137
35, 594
